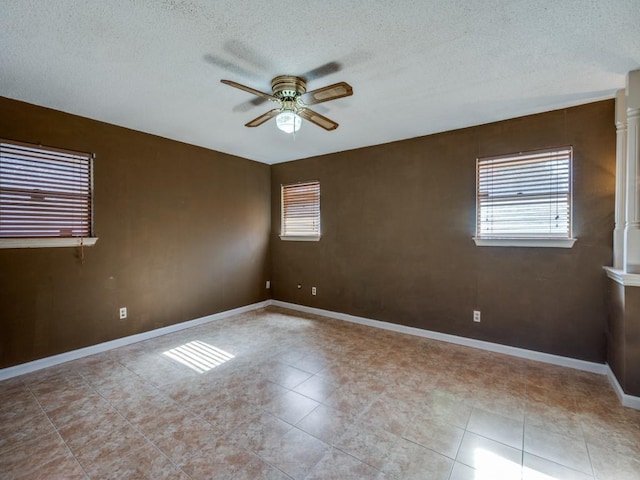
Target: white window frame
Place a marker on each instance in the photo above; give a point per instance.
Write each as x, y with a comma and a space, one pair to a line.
310, 230
534, 237
24, 157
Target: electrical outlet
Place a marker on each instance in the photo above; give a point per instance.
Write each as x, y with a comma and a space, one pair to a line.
313, 290
123, 313
268, 284
476, 316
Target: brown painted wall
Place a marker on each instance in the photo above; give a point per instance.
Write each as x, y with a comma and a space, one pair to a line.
623, 353
615, 331
183, 233
397, 223
632, 347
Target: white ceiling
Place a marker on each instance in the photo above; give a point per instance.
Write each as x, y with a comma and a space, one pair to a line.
416, 67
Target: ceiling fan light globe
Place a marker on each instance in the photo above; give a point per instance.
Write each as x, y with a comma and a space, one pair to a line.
288, 122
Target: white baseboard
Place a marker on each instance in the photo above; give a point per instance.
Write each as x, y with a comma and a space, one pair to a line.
627, 400
120, 342
592, 367
599, 368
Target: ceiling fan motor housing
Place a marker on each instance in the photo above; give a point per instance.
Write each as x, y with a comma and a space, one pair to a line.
288, 87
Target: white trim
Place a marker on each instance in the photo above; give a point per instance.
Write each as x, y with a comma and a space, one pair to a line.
525, 242
120, 342
301, 238
599, 368
627, 400
623, 278
603, 369
47, 242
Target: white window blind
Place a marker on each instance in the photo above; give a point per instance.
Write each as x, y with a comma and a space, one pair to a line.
526, 195
44, 192
301, 210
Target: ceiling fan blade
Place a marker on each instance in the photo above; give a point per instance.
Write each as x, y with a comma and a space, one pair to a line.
331, 92
249, 104
320, 120
230, 67
266, 96
256, 122
322, 71
247, 54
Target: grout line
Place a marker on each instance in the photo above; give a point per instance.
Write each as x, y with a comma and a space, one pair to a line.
56, 431
586, 446
327, 450
524, 433
356, 418
113, 406
50, 361
449, 338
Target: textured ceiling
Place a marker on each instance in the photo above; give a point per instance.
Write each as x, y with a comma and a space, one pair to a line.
416, 67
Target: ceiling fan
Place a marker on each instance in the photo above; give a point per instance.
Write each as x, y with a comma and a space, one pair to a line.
290, 92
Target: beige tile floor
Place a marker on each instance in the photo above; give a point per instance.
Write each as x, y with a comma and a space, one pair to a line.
278, 395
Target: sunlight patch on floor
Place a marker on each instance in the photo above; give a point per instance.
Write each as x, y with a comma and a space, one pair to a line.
491, 466
199, 356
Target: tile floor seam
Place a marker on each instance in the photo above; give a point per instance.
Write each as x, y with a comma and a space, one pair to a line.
356, 458
522, 445
363, 461
497, 441
466, 424
138, 431
223, 437
162, 452
559, 464
5, 450
239, 472
584, 436
70, 450
343, 411
556, 386
458, 450
310, 471
128, 453
429, 448
132, 452
424, 446
586, 447
583, 440
593, 470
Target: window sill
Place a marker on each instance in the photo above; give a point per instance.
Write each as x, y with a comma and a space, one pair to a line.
301, 238
47, 242
623, 278
525, 242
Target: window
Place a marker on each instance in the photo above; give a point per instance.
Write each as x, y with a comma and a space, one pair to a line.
524, 199
301, 211
45, 196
